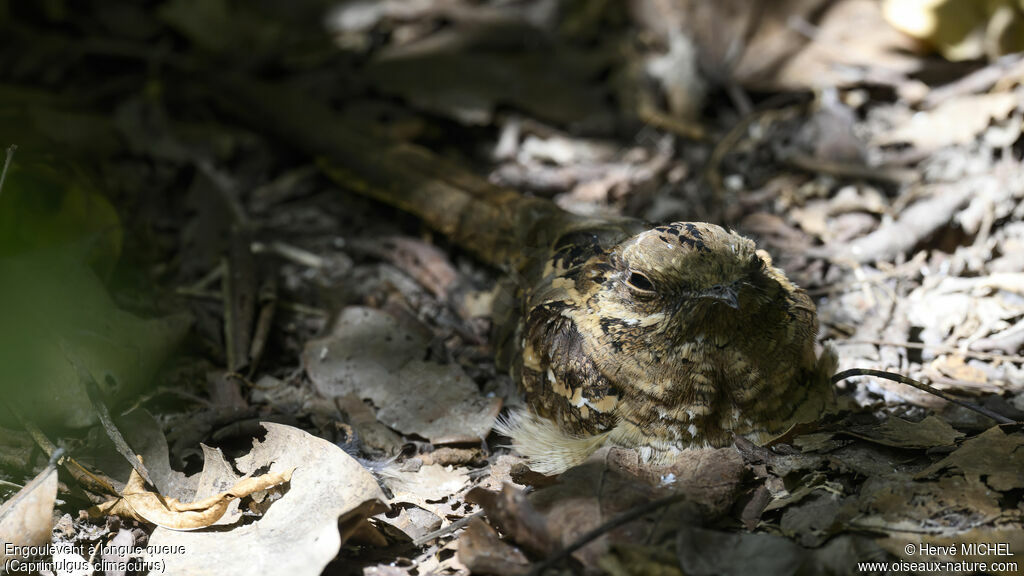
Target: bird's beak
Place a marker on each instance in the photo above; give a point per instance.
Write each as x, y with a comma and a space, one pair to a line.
724, 294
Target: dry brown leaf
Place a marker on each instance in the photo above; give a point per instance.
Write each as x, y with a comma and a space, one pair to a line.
809, 487
994, 455
147, 506
118, 552
426, 263
217, 476
928, 433
500, 472
363, 420
899, 503
612, 482
513, 512
482, 551
817, 442
815, 520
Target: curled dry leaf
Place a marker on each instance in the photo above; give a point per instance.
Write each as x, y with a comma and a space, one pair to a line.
145, 436
329, 497
146, 506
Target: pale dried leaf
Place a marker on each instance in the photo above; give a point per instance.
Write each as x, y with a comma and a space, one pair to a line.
329, 496
369, 354
25, 519
430, 482
410, 523
117, 552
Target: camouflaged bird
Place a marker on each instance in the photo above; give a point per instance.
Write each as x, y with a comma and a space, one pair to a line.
657, 338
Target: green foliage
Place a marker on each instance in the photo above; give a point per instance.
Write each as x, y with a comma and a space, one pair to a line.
56, 236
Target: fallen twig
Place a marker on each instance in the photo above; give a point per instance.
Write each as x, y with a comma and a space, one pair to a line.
923, 387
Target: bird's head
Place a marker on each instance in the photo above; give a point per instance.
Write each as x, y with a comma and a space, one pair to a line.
683, 278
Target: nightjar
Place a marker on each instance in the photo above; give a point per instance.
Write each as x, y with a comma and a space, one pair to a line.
659, 338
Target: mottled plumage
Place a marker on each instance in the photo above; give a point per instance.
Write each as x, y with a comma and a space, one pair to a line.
675, 337
659, 338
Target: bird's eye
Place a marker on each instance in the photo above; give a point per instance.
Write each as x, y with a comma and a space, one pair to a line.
640, 283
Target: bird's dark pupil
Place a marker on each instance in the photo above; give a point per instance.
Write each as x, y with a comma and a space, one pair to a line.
640, 282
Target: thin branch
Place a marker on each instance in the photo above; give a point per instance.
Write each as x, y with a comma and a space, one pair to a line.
923, 387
